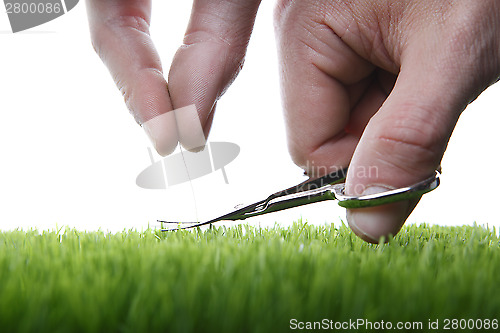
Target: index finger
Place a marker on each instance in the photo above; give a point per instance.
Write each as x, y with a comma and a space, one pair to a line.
319, 76
120, 35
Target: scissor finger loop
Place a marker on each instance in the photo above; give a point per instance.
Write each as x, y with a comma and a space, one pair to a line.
390, 196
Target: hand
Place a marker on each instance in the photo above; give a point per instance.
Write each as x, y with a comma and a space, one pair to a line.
211, 57
379, 86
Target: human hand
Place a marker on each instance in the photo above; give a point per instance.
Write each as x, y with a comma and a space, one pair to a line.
339, 65
379, 86
202, 69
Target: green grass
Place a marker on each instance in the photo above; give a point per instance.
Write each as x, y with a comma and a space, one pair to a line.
243, 279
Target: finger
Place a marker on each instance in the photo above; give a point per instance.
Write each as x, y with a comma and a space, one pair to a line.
322, 79
372, 98
403, 142
120, 35
211, 57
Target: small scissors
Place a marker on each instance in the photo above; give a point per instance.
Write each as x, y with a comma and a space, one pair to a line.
329, 187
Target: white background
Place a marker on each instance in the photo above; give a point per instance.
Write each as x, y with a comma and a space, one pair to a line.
70, 151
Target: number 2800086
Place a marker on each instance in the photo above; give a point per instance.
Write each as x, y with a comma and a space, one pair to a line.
33, 8
471, 324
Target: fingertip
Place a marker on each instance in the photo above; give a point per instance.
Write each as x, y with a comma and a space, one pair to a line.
370, 224
162, 131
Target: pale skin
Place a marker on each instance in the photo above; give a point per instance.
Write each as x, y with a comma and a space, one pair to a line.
376, 85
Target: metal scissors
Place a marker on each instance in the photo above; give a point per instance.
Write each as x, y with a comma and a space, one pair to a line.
329, 187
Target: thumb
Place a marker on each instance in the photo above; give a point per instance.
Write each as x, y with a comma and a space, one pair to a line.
403, 144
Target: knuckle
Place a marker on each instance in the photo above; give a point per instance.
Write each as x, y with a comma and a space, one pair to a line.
134, 21
112, 29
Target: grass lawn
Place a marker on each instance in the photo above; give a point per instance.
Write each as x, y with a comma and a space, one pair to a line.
245, 279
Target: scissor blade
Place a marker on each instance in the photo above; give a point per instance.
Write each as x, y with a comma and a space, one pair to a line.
307, 192
239, 214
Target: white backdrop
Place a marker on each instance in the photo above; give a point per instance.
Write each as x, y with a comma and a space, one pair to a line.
70, 152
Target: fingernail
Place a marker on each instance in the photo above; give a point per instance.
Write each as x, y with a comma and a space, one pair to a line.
162, 132
372, 223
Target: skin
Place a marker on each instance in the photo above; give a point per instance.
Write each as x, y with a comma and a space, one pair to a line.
376, 85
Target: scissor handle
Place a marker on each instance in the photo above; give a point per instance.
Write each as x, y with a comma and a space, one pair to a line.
390, 196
